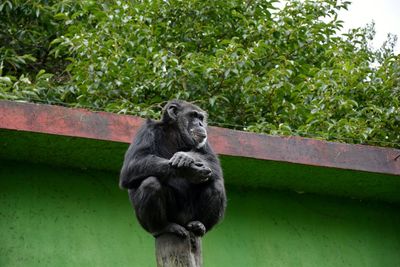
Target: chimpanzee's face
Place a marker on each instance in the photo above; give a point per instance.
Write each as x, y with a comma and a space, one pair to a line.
190, 120
196, 126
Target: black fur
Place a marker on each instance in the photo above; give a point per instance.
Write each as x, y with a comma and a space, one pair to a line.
173, 177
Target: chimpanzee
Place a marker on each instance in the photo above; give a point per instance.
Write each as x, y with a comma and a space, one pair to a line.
173, 177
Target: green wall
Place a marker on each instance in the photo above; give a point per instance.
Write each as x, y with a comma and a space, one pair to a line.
68, 217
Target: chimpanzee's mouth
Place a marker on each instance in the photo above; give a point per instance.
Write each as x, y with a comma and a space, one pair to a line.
198, 134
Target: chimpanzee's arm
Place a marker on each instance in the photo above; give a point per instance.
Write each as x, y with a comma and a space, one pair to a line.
141, 161
135, 170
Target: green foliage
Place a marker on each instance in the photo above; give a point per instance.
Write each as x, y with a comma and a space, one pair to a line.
252, 66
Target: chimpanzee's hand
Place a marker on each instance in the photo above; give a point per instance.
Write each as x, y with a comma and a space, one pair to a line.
195, 171
181, 159
201, 171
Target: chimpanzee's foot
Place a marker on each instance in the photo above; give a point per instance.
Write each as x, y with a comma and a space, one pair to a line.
196, 228
173, 228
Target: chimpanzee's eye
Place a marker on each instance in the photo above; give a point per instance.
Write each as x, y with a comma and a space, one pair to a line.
197, 115
201, 117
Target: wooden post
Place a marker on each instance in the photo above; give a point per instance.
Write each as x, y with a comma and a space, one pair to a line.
175, 251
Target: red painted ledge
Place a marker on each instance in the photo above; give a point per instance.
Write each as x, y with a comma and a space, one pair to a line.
121, 128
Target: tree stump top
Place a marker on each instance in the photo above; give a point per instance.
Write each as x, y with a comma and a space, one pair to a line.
175, 251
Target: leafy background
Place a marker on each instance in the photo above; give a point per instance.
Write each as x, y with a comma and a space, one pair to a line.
253, 67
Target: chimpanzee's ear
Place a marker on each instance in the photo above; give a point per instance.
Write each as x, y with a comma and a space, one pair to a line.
170, 112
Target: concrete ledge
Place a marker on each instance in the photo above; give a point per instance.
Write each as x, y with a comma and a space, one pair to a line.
104, 126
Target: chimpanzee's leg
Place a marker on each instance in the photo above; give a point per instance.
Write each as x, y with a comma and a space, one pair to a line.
209, 208
150, 201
